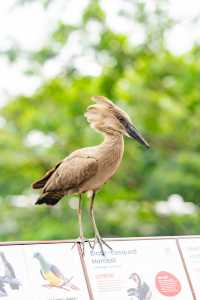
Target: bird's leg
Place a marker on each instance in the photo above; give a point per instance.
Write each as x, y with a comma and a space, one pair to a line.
81, 239
98, 238
67, 281
80, 218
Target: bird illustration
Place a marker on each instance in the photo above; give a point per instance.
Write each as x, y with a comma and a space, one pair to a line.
9, 274
87, 169
142, 290
53, 275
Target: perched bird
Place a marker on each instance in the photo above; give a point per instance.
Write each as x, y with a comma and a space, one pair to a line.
142, 290
53, 275
87, 169
9, 273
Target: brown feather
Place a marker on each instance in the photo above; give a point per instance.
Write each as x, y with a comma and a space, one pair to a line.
50, 198
66, 178
71, 173
41, 182
103, 100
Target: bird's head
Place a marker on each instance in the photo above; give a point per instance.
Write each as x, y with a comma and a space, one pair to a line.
36, 255
135, 277
107, 117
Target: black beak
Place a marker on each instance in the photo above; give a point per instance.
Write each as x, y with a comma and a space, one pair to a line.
132, 132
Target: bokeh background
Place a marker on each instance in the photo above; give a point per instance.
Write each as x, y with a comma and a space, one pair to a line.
144, 55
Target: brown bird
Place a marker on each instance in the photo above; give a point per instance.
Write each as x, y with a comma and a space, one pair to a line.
87, 169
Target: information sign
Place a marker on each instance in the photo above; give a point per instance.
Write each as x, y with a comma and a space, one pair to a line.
138, 270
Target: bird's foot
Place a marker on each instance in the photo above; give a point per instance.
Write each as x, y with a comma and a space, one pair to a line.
100, 241
68, 281
81, 241
48, 286
64, 288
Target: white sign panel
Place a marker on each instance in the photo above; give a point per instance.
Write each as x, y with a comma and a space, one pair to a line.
55, 272
190, 248
14, 284
138, 270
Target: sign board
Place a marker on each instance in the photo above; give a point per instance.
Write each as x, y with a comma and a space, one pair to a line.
150, 269
136, 269
190, 248
42, 272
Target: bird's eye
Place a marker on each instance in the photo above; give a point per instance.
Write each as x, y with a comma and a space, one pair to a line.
120, 118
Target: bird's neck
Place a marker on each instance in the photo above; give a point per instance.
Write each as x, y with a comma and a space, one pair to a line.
139, 282
112, 147
113, 138
44, 264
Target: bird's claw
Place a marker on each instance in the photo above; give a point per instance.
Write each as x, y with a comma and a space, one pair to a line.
81, 241
99, 240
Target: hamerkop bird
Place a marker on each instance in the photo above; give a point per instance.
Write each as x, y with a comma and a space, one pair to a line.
87, 169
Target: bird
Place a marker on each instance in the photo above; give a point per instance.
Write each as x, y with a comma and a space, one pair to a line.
86, 170
9, 273
53, 275
142, 290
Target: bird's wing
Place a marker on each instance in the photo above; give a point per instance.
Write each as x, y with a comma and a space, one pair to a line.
132, 292
42, 181
41, 272
71, 173
56, 272
144, 290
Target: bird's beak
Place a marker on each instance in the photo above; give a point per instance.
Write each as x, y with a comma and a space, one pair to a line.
132, 132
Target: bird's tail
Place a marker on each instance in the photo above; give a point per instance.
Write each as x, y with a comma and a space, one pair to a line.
15, 284
42, 181
71, 285
74, 287
50, 198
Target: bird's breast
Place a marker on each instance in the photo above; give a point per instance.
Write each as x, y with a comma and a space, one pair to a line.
53, 279
109, 163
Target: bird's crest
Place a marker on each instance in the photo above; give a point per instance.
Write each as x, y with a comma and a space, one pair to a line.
115, 110
103, 100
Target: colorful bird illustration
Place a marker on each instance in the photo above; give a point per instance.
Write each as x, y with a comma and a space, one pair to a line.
142, 290
87, 169
53, 275
9, 273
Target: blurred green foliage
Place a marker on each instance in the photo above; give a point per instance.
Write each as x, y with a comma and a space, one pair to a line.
159, 90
